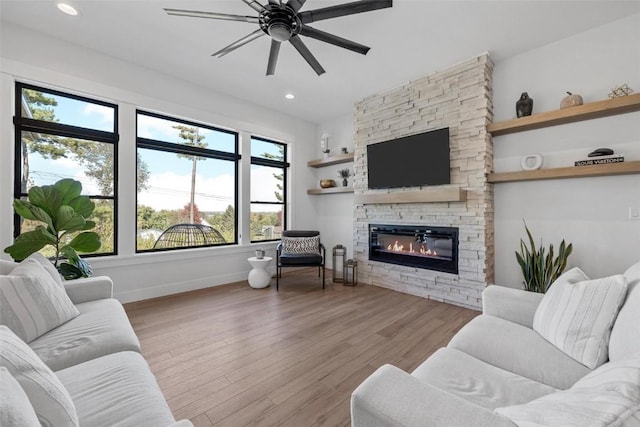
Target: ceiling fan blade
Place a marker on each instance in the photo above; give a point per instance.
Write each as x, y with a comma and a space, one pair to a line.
239, 43
295, 4
212, 15
333, 39
306, 54
343, 10
273, 57
254, 5
274, 2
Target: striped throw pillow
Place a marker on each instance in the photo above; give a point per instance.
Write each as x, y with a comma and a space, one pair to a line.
608, 396
15, 408
577, 314
49, 398
301, 245
31, 302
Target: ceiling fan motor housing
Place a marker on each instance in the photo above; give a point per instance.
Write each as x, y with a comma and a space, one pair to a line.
279, 22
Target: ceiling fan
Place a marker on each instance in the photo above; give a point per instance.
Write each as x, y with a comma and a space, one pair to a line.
284, 22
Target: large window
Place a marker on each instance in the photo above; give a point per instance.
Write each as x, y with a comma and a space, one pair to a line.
188, 187
59, 135
268, 189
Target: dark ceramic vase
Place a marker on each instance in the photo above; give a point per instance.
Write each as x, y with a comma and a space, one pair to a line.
345, 182
524, 105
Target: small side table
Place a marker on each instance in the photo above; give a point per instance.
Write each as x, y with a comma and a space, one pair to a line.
259, 277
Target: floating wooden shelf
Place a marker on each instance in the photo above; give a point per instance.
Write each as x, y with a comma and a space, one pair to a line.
333, 160
331, 190
592, 110
624, 168
426, 195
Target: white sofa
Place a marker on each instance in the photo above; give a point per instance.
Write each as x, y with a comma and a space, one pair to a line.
96, 356
497, 361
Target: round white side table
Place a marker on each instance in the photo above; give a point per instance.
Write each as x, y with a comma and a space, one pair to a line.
259, 277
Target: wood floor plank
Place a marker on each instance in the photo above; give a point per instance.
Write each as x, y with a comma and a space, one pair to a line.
234, 356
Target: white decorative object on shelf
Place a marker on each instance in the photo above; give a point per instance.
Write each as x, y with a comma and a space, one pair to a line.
531, 162
622, 90
324, 144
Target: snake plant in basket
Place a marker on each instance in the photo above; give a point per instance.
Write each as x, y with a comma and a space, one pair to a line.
539, 266
64, 213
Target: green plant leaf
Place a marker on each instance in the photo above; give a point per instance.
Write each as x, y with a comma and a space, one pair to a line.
69, 253
83, 206
68, 189
29, 242
87, 241
31, 212
69, 272
68, 220
47, 198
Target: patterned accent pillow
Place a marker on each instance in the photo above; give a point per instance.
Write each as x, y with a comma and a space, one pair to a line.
577, 314
49, 398
608, 396
32, 303
301, 245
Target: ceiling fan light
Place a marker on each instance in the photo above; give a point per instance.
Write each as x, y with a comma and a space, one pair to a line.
67, 8
280, 32
290, 96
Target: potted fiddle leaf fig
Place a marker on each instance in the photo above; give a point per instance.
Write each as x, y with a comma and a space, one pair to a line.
540, 267
63, 213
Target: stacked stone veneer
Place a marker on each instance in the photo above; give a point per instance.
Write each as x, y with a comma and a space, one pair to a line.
458, 97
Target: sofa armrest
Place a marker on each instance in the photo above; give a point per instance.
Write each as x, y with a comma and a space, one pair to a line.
515, 305
390, 397
89, 289
181, 423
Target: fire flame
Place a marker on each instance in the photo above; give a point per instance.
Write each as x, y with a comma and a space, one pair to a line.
397, 247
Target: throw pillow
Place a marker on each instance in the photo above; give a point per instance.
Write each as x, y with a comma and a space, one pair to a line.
577, 314
15, 408
301, 245
31, 302
48, 266
608, 396
625, 335
49, 398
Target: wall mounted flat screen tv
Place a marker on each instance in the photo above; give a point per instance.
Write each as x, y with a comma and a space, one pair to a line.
421, 159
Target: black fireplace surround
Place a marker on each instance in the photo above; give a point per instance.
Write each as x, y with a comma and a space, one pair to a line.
432, 248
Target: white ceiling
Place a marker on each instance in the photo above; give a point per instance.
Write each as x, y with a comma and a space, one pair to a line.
408, 41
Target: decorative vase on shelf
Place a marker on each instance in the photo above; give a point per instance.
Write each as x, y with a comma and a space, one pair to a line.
524, 105
345, 182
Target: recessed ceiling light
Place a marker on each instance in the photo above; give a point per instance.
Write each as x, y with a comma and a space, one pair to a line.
290, 96
68, 9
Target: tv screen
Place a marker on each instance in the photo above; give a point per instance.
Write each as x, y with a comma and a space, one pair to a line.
421, 159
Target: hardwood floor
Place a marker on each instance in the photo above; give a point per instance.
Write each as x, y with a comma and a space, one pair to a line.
234, 356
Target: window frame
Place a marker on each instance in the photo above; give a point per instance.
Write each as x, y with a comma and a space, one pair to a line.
170, 147
284, 165
26, 124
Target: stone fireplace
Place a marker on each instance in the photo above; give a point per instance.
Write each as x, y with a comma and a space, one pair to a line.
459, 98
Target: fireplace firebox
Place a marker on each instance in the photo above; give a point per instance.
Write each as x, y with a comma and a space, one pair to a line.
432, 248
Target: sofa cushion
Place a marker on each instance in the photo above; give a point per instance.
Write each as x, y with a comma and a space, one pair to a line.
608, 396
577, 314
116, 390
31, 302
518, 349
476, 381
101, 328
51, 401
625, 335
15, 408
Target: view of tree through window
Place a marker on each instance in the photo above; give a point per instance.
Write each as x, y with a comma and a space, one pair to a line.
268, 189
60, 135
190, 196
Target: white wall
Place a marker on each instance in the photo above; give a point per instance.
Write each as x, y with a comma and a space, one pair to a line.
335, 211
35, 58
592, 213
